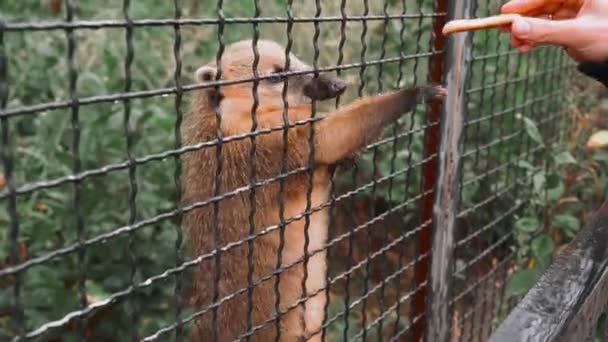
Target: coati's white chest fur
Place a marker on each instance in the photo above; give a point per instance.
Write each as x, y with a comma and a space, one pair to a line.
314, 233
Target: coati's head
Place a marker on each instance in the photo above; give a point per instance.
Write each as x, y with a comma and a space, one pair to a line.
237, 62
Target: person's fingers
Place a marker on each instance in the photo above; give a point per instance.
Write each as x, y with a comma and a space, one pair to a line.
541, 31
521, 6
532, 8
535, 8
575, 55
521, 45
516, 42
565, 13
525, 48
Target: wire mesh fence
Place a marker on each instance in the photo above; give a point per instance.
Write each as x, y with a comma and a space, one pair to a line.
139, 205
515, 112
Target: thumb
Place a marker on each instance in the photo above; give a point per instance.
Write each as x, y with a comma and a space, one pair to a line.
543, 31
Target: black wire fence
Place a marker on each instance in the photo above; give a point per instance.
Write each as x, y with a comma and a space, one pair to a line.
98, 139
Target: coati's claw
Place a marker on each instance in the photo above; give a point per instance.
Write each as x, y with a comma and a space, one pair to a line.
431, 93
441, 91
436, 92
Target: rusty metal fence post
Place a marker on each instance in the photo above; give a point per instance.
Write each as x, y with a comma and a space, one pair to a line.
450, 67
429, 177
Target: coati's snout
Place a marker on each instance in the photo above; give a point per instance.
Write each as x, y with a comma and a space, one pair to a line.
324, 87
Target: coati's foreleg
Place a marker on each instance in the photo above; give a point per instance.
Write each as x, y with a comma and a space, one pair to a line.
349, 128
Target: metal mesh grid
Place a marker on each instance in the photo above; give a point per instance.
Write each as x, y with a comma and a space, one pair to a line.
91, 111
508, 97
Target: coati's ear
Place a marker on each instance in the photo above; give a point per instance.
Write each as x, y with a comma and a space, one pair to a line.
206, 73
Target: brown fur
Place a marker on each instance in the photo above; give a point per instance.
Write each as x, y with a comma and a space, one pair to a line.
336, 137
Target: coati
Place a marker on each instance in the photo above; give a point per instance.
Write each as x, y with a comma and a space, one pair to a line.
336, 136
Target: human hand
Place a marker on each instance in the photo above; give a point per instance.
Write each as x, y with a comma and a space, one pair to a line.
580, 26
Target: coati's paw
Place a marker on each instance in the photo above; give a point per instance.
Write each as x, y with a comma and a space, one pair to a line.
431, 93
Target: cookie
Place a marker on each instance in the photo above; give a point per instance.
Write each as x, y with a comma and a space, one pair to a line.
463, 25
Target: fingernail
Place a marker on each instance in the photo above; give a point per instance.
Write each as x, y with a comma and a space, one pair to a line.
520, 27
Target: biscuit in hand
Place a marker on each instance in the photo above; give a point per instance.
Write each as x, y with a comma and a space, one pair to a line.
463, 25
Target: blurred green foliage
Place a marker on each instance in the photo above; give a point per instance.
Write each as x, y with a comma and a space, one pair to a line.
508, 118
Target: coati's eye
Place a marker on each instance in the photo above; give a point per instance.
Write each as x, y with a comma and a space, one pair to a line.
207, 76
276, 77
